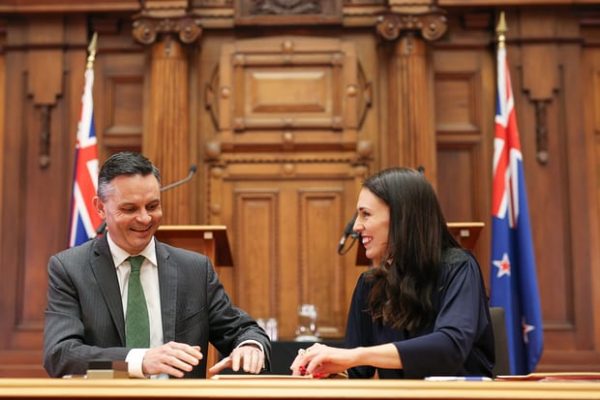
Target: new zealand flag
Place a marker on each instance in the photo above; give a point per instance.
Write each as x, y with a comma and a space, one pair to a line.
84, 219
513, 273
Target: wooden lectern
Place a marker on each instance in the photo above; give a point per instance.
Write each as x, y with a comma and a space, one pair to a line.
466, 233
210, 240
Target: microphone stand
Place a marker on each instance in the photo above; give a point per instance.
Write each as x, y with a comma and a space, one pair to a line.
180, 182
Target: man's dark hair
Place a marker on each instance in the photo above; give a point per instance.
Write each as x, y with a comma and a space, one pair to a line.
124, 163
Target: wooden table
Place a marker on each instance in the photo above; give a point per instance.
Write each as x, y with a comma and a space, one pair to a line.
23, 388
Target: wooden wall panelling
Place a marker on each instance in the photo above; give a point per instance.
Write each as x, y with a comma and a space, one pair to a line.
298, 92
3, 88
205, 130
284, 217
463, 66
558, 202
463, 118
369, 123
544, 56
256, 211
206, 75
283, 169
12, 164
551, 240
119, 87
464, 93
39, 143
591, 92
320, 268
580, 202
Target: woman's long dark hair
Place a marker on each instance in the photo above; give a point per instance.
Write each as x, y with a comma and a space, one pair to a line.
418, 236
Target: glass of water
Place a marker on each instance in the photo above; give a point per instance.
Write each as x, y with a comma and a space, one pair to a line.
307, 323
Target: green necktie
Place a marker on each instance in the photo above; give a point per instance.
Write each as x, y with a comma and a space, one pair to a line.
137, 325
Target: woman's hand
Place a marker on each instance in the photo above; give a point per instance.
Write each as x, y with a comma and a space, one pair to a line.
321, 361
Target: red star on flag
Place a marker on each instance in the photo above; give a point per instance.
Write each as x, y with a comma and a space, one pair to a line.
526, 330
503, 265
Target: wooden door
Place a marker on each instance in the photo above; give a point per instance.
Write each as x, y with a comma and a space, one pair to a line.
285, 239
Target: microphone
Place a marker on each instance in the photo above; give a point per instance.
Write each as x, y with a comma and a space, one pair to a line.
180, 182
347, 233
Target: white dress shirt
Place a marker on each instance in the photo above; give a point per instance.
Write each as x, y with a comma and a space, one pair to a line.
149, 279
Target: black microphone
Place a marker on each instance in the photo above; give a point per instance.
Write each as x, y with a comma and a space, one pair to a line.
347, 233
189, 176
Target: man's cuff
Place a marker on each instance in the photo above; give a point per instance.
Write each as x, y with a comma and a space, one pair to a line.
134, 362
250, 341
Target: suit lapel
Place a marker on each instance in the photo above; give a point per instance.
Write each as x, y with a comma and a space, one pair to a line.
167, 281
104, 271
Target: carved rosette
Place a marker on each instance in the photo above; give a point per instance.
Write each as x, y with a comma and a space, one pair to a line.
431, 24
146, 29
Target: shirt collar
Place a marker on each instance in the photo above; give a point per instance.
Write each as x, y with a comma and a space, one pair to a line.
119, 255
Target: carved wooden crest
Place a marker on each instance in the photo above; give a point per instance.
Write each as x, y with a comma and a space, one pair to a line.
276, 12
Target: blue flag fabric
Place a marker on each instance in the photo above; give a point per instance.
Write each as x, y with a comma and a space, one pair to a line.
513, 271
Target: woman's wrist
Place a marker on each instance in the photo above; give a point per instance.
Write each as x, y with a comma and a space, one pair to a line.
359, 356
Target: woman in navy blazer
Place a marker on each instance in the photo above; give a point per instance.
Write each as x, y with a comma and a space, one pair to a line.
421, 310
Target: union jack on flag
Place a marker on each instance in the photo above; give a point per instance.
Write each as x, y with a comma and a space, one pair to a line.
84, 219
513, 273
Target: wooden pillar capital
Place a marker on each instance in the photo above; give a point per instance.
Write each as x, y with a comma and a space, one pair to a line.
431, 24
146, 29
170, 17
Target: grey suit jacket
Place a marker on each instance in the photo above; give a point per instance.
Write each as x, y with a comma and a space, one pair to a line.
84, 317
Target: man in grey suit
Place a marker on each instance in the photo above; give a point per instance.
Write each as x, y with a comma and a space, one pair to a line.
185, 305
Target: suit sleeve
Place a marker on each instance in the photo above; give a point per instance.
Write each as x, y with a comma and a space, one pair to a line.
64, 333
230, 326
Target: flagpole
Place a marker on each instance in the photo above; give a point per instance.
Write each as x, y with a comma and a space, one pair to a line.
501, 30
92, 51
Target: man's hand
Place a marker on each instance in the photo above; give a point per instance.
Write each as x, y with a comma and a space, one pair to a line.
249, 357
172, 358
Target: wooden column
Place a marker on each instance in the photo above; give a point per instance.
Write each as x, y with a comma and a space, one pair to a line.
166, 140
411, 135
166, 135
